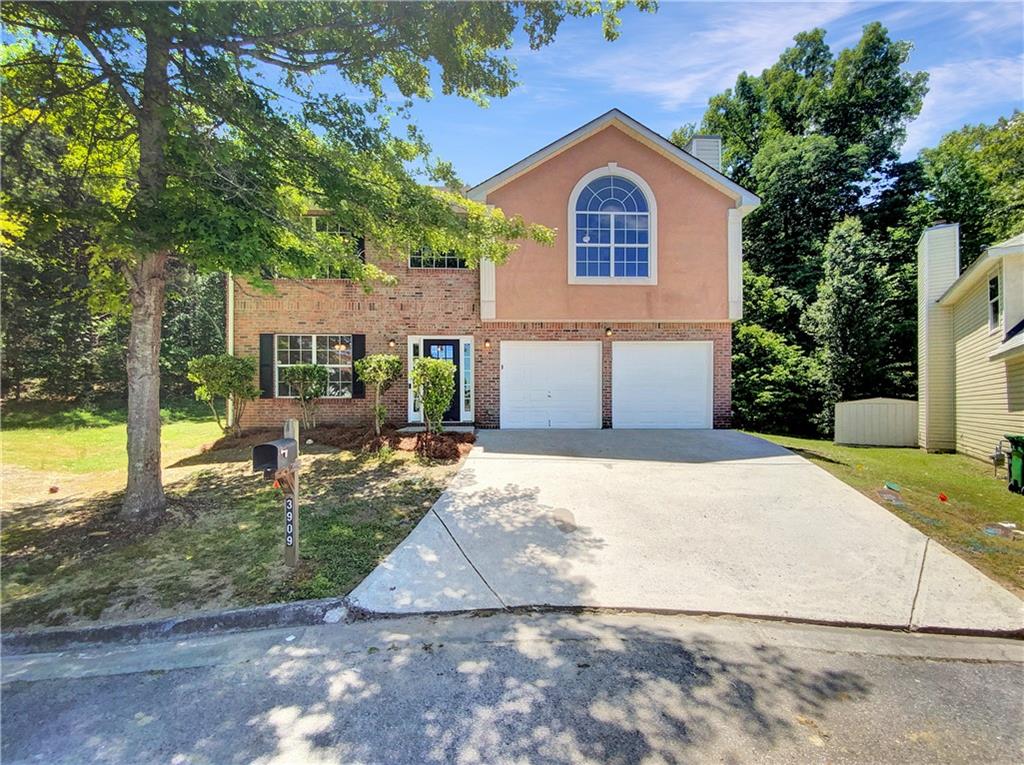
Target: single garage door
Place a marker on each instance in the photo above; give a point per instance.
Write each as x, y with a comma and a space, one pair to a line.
662, 384
550, 384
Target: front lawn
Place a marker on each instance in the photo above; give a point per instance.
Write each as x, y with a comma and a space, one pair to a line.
81, 448
67, 559
975, 498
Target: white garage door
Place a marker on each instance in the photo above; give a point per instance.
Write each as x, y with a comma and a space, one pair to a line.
550, 384
662, 384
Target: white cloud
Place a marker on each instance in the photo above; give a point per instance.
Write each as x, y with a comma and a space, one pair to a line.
699, 55
959, 89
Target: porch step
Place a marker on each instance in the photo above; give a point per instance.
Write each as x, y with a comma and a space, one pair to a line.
456, 428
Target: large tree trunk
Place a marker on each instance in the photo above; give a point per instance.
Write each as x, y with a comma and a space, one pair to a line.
147, 281
144, 496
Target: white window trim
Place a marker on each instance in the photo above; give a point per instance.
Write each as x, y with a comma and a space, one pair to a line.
465, 413
612, 168
277, 366
995, 322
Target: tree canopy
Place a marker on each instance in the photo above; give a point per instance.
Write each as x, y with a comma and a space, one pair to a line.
830, 291
201, 132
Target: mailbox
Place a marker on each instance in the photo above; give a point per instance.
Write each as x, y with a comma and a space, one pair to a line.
274, 455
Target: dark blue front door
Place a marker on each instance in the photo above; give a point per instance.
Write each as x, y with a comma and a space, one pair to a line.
449, 351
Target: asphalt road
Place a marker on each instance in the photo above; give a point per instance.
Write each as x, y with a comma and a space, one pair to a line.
550, 688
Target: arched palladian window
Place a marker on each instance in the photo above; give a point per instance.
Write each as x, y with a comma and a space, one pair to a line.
613, 221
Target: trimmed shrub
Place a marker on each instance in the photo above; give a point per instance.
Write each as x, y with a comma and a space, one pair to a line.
433, 381
379, 370
228, 378
309, 383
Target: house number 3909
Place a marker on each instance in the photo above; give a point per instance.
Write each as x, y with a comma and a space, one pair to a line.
289, 521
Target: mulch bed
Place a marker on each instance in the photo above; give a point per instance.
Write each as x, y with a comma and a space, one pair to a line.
436, 446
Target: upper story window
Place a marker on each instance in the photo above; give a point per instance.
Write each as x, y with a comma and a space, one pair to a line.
427, 259
325, 224
995, 308
612, 229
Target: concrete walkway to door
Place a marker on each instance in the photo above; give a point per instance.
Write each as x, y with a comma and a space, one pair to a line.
693, 521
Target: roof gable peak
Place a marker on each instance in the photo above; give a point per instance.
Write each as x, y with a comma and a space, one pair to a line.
745, 199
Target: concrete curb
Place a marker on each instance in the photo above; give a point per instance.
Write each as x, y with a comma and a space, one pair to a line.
307, 613
301, 613
1011, 634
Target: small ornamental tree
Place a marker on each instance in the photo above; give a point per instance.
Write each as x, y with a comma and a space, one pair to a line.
228, 378
433, 380
308, 382
379, 370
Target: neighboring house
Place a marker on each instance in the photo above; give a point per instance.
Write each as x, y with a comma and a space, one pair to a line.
970, 344
624, 322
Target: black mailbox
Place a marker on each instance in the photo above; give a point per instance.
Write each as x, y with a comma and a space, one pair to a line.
274, 455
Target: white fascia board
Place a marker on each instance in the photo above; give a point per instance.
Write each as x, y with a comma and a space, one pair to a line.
735, 264
975, 273
743, 197
1009, 348
488, 289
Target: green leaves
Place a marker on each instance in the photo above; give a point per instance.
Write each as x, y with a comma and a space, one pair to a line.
224, 377
308, 382
826, 315
380, 370
267, 108
849, 321
433, 380
976, 178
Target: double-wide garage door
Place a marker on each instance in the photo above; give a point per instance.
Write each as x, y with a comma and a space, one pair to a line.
558, 384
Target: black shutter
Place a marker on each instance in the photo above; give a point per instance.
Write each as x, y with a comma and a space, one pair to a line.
358, 352
266, 366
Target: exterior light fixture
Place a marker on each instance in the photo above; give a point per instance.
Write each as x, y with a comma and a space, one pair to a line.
487, 343
391, 343
607, 331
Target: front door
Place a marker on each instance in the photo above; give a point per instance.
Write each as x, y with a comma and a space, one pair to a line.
449, 351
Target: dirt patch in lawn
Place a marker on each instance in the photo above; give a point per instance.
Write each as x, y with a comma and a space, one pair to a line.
436, 446
71, 560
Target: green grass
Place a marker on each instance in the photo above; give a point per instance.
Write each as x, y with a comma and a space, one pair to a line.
49, 436
68, 559
974, 498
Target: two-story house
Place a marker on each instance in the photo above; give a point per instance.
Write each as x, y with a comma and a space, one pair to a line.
625, 322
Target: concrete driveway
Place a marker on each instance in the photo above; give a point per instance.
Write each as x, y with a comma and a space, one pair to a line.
684, 520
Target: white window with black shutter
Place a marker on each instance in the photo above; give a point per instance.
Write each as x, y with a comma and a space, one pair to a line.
336, 352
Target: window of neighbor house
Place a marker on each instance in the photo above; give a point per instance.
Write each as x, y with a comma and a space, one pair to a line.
331, 351
612, 230
427, 259
995, 310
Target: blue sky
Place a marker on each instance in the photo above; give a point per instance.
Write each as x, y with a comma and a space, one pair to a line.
665, 66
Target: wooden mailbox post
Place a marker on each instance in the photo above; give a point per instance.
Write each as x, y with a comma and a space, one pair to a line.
279, 460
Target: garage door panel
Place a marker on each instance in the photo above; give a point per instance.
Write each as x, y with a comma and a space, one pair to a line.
550, 384
662, 384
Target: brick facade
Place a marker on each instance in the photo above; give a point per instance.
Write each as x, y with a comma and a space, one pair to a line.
435, 303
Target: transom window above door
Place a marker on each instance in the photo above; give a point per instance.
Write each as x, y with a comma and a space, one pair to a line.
611, 222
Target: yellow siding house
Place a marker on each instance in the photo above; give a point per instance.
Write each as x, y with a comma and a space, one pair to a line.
970, 344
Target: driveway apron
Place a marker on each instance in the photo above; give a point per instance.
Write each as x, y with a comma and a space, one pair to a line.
703, 521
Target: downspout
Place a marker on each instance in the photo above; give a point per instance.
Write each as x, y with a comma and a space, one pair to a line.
229, 335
